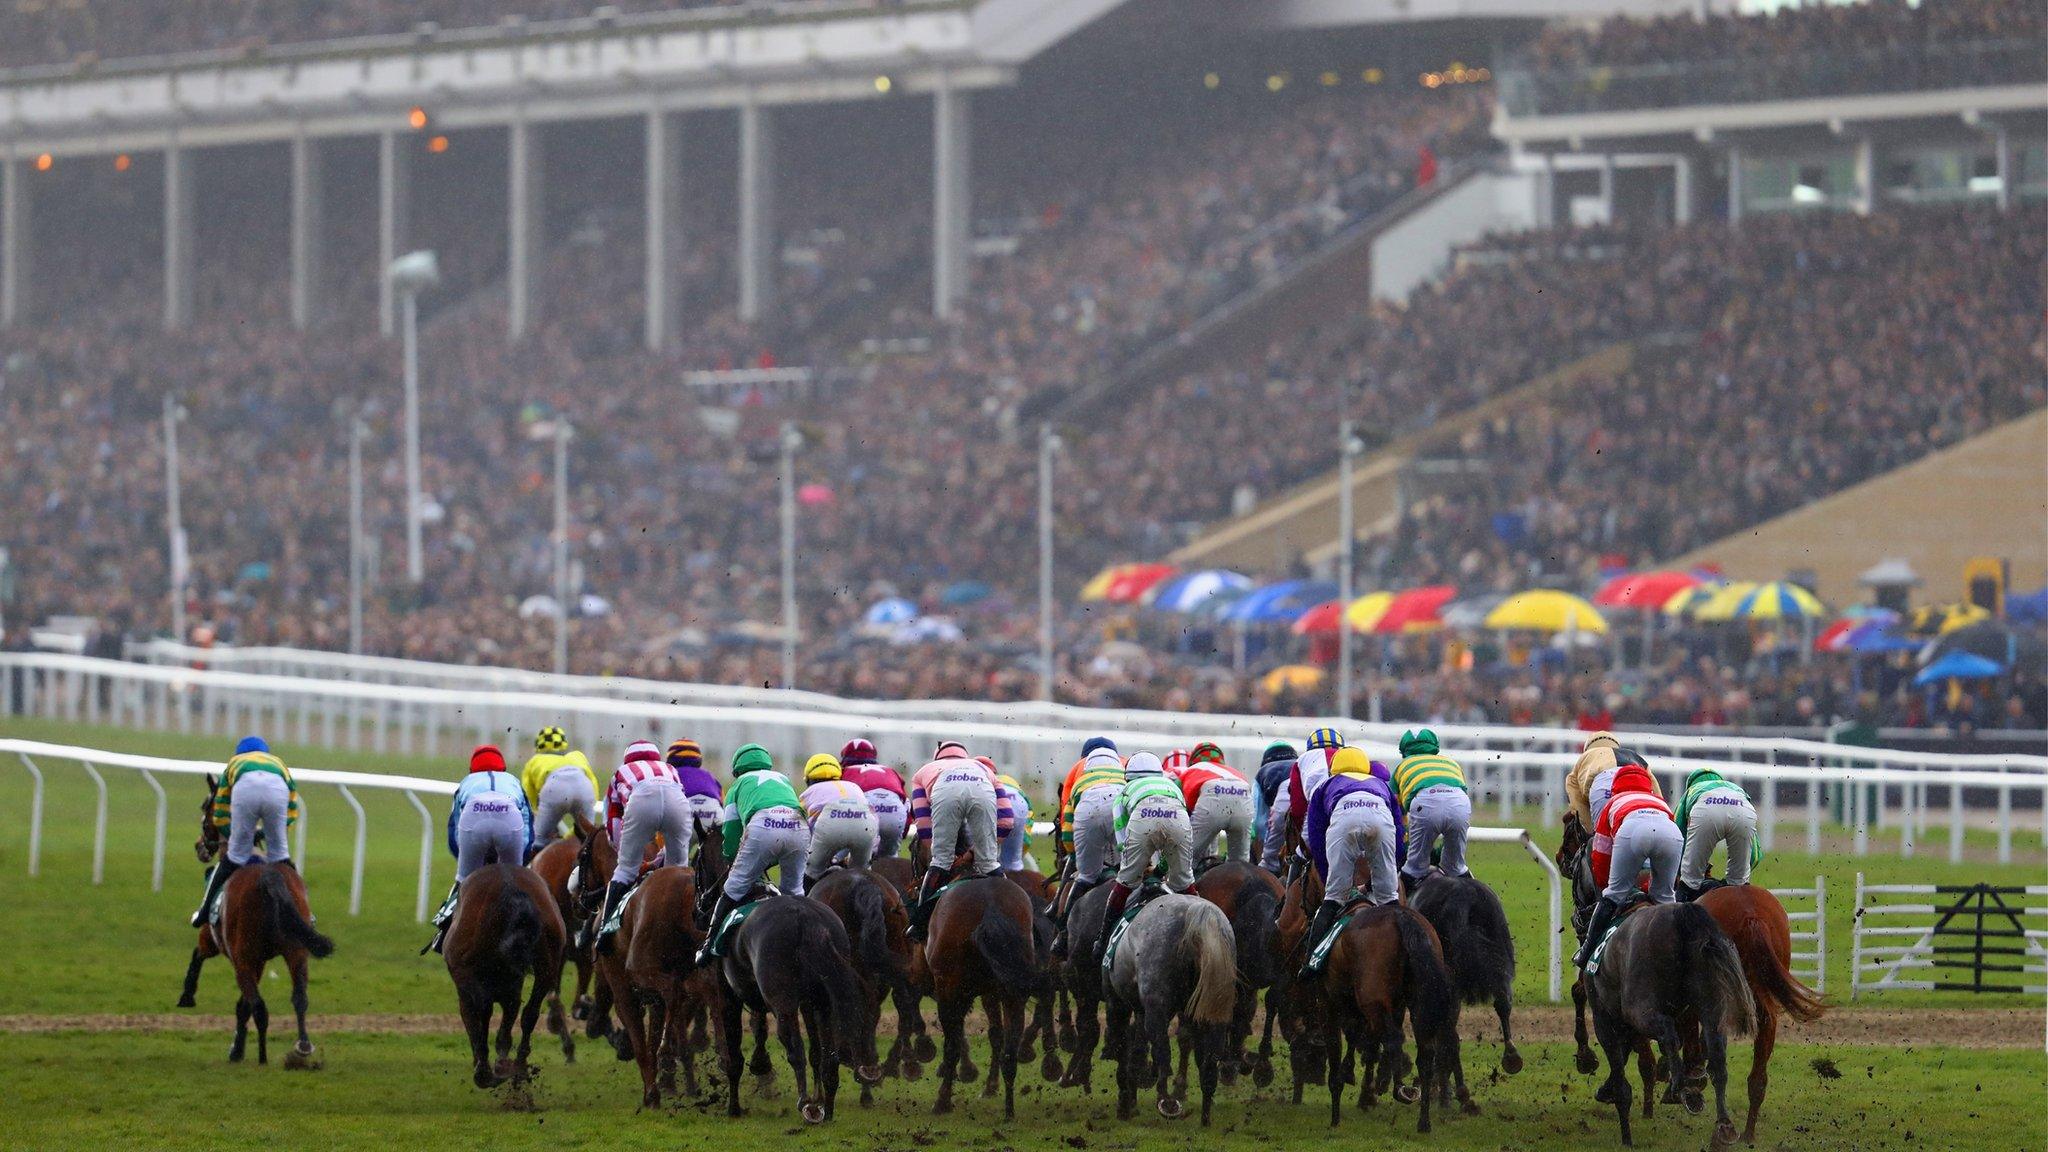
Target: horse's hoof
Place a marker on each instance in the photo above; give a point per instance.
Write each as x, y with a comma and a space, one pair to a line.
968, 1073
924, 1049
1049, 1069
1171, 1108
1407, 1093
234, 1055
1067, 1039
868, 1074
1587, 1062
301, 1059
1604, 1094
485, 1078
580, 1010
1511, 1062
1262, 1074
1695, 1104
942, 1108
1026, 1053
912, 1070
813, 1113
187, 1002
1468, 1107
1724, 1134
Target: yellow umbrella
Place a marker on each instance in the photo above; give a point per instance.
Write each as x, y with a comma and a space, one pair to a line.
1546, 610
1364, 613
1692, 599
1725, 600
1957, 616
1299, 677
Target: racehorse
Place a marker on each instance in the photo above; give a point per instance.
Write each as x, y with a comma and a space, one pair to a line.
982, 946
1473, 929
555, 865
505, 927
1584, 894
1754, 921
878, 925
1083, 978
791, 956
1662, 962
1385, 963
263, 916
1039, 891
1250, 898
1305, 1052
1176, 961
897, 870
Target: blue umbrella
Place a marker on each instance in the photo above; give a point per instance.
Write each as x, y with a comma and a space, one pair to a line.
1281, 603
894, 610
2031, 607
966, 592
1191, 591
1959, 666
1876, 637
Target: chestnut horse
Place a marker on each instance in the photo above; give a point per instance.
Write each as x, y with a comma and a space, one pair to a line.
556, 864
877, 925
1386, 962
1250, 898
1754, 921
263, 916
505, 928
982, 946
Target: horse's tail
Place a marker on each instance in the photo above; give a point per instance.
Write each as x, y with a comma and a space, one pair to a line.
1432, 993
522, 929
871, 942
1008, 950
1719, 988
1207, 941
285, 917
1479, 947
1774, 984
833, 969
1252, 925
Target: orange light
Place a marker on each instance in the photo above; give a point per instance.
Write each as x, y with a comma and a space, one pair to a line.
1331, 79
417, 117
438, 144
44, 162
122, 162
1372, 75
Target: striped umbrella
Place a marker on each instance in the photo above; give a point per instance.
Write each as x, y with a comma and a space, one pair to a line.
1647, 591
1191, 590
1696, 599
1366, 612
1124, 583
1282, 603
1417, 609
1777, 600
1320, 620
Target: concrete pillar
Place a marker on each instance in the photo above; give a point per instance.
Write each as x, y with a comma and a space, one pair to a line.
2002, 145
1607, 185
664, 223
394, 220
1735, 183
179, 236
1866, 176
952, 197
528, 209
1681, 190
15, 239
1546, 193
309, 251
757, 247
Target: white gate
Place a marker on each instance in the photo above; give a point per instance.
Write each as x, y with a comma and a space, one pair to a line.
1949, 937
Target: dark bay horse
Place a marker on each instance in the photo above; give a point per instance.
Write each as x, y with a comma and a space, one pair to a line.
791, 957
505, 928
1176, 962
264, 916
1386, 963
1473, 929
1250, 898
982, 946
878, 924
1083, 979
1663, 962
556, 865
1754, 921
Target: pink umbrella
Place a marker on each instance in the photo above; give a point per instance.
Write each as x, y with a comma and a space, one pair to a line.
815, 496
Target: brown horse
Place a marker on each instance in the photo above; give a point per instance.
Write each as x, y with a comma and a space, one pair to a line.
1250, 898
1083, 979
982, 946
1385, 963
505, 927
1754, 921
556, 864
877, 925
264, 916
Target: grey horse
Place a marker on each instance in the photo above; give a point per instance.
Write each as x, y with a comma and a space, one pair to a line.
1177, 960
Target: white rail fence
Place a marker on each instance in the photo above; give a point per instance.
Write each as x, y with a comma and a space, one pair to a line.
1809, 931
1927, 936
1898, 794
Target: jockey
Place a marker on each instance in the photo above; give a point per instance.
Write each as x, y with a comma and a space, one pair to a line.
1174, 763
1151, 822
1018, 838
1087, 822
839, 815
1431, 789
954, 798
1353, 818
558, 783
764, 828
1276, 765
645, 797
1591, 780
488, 821
1219, 801
859, 763
1635, 831
1310, 769
1715, 809
255, 789
703, 791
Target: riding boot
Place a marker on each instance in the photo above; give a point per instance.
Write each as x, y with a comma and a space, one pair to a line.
935, 878
613, 893
441, 918
719, 911
1075, 891
1326, 917
1604, 913
215, 884
1119, 896
1686, 892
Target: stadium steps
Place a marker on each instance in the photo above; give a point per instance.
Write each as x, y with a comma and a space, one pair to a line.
1987, 496
1303, 522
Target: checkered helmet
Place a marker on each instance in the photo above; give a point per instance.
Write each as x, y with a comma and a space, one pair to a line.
551, 739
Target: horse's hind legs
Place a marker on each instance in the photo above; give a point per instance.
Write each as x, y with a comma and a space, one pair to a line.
1760, 1068
236, 1049
1510, 1060
1587, 1062
187, 997
1717, 1072
527, 1019
260, 1012
301, 1054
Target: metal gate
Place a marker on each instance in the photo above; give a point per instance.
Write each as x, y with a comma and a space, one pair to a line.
1956, 938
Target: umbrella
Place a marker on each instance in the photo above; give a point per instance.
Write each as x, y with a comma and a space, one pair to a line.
1648, 591
1870, 612
1190, 590
1689, 601
1299, 677
1835, 637
1366, 612
1873, 637
927, 629
1940, 619
1124, 583
1993, 641
1417, 609
1472, 611
894, 610
1546, 610
1777, 600
966, 592
1281, 603
591, 604
2030, 608
815, 495
543, 606
1320, 620
1958, 666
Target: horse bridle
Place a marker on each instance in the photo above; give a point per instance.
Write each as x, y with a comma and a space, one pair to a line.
211, 839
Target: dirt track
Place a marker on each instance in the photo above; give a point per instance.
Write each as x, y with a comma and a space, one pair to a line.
1896, 1027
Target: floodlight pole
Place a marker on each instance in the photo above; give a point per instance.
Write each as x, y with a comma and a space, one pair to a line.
356, 431
790, 442
1048, 448
1347, 448
174, 516
563, 431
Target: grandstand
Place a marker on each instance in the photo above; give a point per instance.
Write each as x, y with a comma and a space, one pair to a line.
916, 231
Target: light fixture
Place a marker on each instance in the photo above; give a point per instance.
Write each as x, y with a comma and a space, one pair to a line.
883, 84
1212, 81
45, 162
417, 117
1331, 79
1276, 81
122, 162
437, 144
